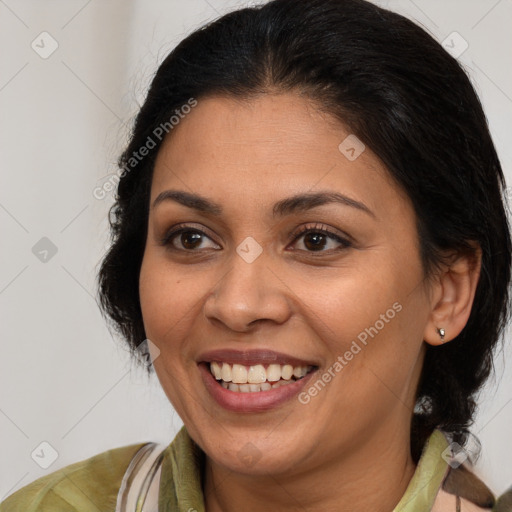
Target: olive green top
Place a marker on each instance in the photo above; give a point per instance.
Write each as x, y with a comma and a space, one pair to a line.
92, 485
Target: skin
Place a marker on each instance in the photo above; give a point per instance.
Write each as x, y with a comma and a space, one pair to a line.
348, 448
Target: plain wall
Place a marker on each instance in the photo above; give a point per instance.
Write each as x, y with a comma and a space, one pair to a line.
64, 120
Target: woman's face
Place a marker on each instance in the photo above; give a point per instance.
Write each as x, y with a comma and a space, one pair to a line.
292, 254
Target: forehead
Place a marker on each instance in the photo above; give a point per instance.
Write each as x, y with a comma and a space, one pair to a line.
269, 146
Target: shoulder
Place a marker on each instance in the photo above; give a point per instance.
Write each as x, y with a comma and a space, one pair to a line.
446, 502
89, 485
462, 488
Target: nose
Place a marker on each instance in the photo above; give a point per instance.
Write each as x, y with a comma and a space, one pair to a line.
248, 294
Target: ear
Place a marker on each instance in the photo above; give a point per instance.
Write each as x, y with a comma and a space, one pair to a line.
453, 292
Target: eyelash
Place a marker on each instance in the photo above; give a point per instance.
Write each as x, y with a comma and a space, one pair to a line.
317, 228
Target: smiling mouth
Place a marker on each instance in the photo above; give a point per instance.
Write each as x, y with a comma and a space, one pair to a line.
256, 378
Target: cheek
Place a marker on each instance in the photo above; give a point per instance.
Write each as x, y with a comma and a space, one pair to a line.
347, 302
163, 299
372, 319
171, 303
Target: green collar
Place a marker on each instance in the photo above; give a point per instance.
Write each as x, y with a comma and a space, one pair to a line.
183, 461
428, 477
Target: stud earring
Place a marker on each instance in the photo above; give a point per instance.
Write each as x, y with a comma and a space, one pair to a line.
441, 333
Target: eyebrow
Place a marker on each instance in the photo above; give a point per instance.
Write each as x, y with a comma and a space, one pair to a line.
293, 204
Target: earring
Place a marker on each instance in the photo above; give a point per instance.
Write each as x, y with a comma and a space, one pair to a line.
441, 333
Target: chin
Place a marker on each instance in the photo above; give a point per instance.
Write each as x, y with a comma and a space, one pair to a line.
251, 461
257, 452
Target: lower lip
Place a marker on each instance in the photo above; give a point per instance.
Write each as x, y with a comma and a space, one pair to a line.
258, 401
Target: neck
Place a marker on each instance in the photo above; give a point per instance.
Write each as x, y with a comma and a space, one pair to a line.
373, 477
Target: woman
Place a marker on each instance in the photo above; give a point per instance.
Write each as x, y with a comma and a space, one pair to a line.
310, 239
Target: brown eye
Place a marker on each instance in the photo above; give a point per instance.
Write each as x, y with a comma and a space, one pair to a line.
317, 239
188, 240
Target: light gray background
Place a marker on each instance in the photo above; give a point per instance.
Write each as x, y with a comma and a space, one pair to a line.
64, 120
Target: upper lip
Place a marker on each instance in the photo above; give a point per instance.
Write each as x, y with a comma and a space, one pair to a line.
252, 357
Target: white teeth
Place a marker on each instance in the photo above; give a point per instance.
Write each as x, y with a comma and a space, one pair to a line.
299, 371
257, 374
216, 370
287, 372
254, 388
255, 378
239, 374
273, 372
226, 372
